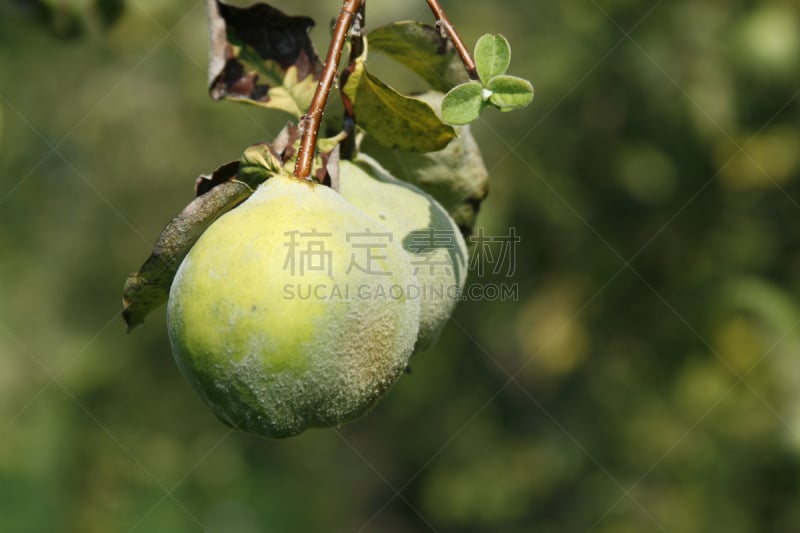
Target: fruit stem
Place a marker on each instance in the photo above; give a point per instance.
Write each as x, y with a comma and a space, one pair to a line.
446, 27
311, 121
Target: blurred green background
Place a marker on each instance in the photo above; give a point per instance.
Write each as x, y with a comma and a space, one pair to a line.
645, 380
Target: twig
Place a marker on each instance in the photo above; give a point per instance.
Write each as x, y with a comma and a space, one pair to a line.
444, 24
313, 118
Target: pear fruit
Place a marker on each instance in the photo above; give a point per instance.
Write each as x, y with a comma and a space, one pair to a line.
429, 235
281, 322
456, 175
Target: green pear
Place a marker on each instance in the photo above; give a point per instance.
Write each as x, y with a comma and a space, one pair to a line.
456, 175
282, 322
431, 238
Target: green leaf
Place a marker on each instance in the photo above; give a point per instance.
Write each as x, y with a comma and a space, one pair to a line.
422, 49
148, 289
261, 56
492, 56
510, 92
463, 104
259, 163
394, 120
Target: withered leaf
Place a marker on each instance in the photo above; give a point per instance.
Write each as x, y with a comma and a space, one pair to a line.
262, 56
148, 288
223, 174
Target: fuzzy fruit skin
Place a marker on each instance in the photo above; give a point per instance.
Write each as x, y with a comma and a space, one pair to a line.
456, 176
430, 236
271, 362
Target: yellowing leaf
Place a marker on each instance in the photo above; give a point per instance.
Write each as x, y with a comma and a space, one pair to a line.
394, 120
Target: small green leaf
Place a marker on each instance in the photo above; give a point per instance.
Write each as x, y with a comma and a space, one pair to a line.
463, 104
422, 49
510, 92
259, 163
492, 56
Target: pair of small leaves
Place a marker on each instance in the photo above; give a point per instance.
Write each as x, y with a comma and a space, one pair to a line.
464, 103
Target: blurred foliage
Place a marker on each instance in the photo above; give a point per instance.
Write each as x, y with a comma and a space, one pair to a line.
654, 349
72, 18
